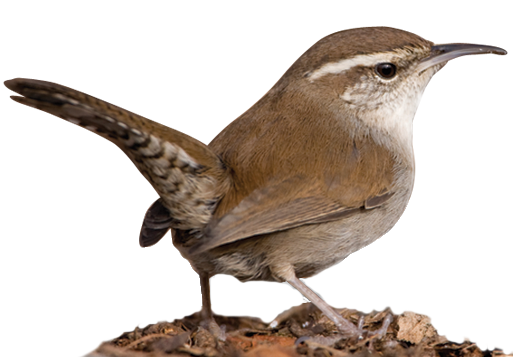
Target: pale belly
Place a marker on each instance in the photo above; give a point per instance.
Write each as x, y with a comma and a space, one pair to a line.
308, 249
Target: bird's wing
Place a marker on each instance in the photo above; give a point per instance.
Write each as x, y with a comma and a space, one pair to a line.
186, 174
288, 204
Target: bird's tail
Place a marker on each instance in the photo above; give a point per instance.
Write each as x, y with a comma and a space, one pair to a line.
187, 175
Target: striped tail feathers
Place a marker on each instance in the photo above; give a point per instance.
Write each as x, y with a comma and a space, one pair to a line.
76, 107
187, 175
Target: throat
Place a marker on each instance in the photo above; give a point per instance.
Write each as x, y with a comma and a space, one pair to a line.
391, 125
394, 133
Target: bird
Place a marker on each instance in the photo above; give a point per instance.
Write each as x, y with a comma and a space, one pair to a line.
318, 168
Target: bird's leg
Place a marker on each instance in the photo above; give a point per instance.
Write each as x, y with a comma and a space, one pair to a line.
346, 328
206, 307
207, 316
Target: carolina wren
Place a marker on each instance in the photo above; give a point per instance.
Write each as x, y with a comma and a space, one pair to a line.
318, 168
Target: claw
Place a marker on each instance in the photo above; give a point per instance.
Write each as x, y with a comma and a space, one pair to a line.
382, 331
361, 333
361, 320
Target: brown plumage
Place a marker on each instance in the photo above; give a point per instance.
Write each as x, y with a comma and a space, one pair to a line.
319, 167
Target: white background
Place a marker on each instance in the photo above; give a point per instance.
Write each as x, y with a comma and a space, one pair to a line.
70, 255
70, 260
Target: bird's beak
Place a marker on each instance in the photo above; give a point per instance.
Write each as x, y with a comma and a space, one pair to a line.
447, 52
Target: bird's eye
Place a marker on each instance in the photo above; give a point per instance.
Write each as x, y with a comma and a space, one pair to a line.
386, 70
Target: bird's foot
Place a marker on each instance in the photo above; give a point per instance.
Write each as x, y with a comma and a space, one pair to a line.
211, 326
349, 331
379, 333
346, 329
382, 331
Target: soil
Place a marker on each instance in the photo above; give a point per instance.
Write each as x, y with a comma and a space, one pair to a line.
303, 331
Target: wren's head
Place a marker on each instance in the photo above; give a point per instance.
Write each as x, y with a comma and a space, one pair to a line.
373, 77
371, 80
372, 73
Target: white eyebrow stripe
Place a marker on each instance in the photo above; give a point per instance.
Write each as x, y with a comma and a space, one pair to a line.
346, 64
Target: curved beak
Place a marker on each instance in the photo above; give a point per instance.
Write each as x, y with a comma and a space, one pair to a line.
447, 52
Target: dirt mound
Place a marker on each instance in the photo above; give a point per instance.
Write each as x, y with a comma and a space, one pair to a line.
303, 331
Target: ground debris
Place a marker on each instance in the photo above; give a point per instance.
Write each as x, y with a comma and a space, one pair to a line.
300, 331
